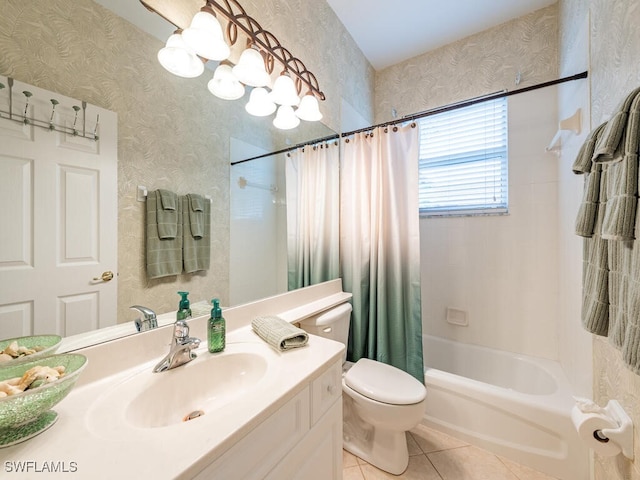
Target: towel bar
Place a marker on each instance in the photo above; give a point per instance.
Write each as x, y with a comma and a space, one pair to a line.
142, 192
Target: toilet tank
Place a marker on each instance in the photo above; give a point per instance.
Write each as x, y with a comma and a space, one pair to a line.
332, 324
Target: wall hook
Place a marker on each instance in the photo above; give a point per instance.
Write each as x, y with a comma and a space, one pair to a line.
54, 102
95, 130
10, 83
75, 119
27, 94
84, 118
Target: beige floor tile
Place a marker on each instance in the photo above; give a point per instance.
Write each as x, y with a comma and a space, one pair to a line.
431, 440
412, 445
525, 473
470, 463
352, 473
419, 468
348, 459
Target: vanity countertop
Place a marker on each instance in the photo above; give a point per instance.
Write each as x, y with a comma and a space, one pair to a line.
84, 443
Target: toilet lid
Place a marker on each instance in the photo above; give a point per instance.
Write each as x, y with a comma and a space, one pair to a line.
384, 383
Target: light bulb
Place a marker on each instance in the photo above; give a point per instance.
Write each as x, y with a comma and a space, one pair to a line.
179, 59
309, 109
259, 103
286, 118
204, 36
250, 69
224, 85
284, 91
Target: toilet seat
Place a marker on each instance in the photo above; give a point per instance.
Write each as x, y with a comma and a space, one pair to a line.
384, 383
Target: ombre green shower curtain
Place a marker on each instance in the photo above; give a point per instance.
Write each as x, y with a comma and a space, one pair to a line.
313, 184
380, 246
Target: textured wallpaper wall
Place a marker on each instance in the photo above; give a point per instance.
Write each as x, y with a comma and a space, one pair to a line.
614, 53
171, 132
477, 65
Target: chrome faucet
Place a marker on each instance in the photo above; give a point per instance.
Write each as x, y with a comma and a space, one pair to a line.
148, 320
181, 351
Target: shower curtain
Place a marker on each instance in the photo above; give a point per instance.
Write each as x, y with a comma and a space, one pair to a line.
380, 246
312, 184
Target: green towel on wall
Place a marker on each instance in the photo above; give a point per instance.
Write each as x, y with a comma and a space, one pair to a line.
196, 253
163, 256
196, 206
608, 220
167, 210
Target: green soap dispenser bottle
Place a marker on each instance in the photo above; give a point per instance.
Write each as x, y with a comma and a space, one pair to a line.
184, 308
216, 330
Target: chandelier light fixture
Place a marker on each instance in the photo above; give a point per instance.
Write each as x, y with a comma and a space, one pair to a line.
210, 36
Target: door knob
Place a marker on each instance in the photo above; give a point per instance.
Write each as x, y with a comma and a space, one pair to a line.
105, 277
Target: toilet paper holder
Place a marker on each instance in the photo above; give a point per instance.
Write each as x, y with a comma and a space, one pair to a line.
621, 435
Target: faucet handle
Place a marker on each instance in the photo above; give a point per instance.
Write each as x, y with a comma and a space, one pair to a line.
180, 330
148, 321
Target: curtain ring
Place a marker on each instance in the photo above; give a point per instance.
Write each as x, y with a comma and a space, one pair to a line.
288, 154
413, 124
395, 129
386, 130
346, 140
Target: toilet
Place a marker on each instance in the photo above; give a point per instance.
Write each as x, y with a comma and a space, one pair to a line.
380, 402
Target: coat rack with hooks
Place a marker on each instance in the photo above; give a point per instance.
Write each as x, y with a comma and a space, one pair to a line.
76, 130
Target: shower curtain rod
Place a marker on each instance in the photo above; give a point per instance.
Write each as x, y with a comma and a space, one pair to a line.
426, 113
288, 149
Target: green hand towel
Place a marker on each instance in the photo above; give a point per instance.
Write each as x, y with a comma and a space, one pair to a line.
196, 214
279, 333
196, 253
163, 256
167, 214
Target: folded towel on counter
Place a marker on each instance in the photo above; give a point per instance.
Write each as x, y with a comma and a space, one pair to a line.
196, 251
163, 256
196, 214
167, 214
279, 333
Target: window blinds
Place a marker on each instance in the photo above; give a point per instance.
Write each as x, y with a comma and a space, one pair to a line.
463, 160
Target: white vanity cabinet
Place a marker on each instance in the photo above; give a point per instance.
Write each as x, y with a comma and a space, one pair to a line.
301, 440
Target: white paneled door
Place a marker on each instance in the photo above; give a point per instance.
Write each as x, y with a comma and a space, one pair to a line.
58, 215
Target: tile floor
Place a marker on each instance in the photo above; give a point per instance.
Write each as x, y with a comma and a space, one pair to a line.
436, 456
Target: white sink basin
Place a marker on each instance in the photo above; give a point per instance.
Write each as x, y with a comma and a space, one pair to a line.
170, 397
198, 389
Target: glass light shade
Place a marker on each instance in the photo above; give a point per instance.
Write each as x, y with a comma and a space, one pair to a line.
204, 36
250, 69
285, 118
224, 84
308, 109
259, 103
284, 92
179, 59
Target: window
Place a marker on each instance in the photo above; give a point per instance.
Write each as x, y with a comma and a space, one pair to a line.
463, 160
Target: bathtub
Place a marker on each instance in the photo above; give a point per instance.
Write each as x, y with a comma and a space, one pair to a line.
513, 405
